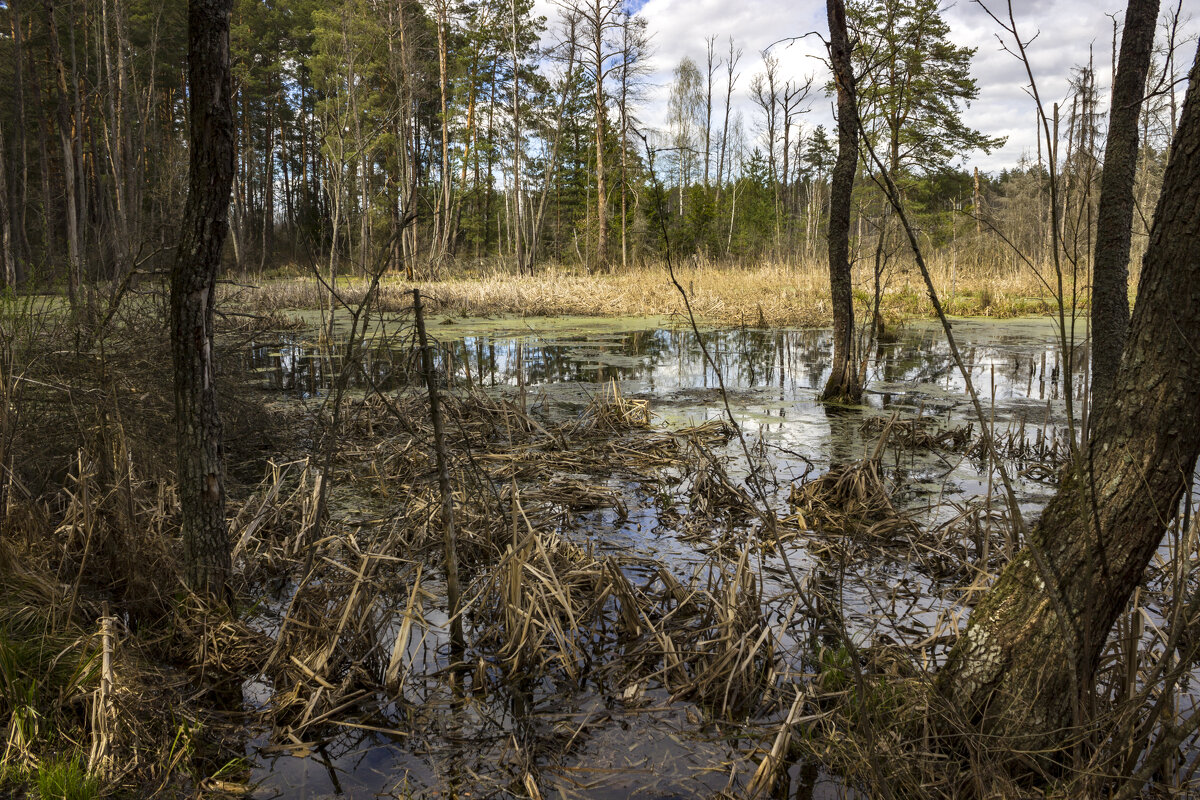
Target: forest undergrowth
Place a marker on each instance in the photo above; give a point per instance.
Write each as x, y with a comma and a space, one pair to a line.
117, 682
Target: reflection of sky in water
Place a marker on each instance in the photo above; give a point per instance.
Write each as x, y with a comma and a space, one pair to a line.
782, 365
773, 379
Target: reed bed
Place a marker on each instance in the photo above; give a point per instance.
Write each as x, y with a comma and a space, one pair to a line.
852, 499
770, 295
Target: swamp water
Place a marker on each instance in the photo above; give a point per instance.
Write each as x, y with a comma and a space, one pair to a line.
599, 740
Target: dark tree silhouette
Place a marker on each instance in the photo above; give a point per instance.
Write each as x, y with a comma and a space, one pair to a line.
843, 384
193, 283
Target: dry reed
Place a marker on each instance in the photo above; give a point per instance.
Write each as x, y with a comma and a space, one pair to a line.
762, 296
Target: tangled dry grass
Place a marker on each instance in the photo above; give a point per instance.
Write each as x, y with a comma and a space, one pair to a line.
762, 296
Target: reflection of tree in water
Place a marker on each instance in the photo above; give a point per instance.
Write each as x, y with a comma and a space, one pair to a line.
1029, 370
826, 628
663, 360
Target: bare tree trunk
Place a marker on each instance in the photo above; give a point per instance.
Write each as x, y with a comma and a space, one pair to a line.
6, 244
730, 80
1110, 281
65, 127
712, 64
623, 140
444, 81
21, 193
193, 293
1039, 632
601, 187
552, 165
518, 232
843, 384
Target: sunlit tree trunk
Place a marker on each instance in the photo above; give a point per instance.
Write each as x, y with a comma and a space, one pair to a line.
6, 239
444, 84
516, 66
601, 114
571, 25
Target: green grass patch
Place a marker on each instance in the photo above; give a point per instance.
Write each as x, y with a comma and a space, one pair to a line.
66, 779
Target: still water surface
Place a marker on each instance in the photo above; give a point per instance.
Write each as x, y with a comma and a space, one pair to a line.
772, 380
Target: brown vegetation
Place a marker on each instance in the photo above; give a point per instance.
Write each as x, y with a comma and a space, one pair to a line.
770, 295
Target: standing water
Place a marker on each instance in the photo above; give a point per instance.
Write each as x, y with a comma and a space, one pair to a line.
595, 739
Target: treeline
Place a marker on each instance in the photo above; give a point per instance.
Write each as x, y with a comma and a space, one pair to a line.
434, 134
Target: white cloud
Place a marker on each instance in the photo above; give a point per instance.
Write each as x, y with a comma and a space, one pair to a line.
1068, 33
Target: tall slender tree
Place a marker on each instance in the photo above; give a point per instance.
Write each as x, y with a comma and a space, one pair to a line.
844, 384
601, 20
198, 443
731, 78
1114, 217
712, 64
685, 112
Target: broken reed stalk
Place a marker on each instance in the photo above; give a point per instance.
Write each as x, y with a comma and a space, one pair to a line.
439, 445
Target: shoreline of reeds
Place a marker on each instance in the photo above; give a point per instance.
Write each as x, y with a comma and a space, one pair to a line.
768, 295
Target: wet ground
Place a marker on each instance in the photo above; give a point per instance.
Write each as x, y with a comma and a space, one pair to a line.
772, 381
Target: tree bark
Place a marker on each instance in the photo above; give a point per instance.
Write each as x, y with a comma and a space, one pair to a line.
601, 186
443, 83
21, 189
843, 384
708, 87
8, 277
65, 127
731, 79
1114, 220
517, 228
1039, 632
552, 164
193, 282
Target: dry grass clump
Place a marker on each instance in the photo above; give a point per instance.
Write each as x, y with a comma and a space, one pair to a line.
921, 433
612, 411
733, 650
713, 494
852, 500
767, 295
547, 608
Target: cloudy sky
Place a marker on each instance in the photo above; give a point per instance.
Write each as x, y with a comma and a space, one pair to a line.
1066, 31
